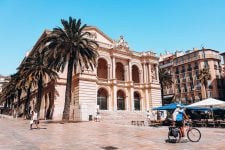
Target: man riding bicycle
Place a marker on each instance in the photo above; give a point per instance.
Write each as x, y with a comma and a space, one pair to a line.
179, 117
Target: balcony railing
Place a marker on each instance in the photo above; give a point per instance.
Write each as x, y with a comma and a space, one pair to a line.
189, 69
210, 56
195, 67
166, 65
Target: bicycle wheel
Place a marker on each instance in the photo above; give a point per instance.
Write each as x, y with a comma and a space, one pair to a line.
194, 135
174, 139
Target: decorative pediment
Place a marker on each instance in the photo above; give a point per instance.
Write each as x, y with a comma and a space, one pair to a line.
98, 35
121, 44
104, 41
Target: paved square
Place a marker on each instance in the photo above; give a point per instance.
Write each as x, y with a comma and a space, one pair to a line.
16, 135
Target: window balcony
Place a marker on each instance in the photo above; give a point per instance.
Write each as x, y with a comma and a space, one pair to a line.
215, 67
189, 69
196, 67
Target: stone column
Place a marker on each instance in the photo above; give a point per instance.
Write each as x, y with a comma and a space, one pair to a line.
126, 73
157, 72
141, 76
147, 99
113, 68
127, 102
114, 98
150, 73
110, 103
131, 99
144, 73
109, 72
130, 70
142, 103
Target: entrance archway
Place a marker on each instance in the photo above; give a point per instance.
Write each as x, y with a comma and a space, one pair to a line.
137, 101
102, 99
120, 100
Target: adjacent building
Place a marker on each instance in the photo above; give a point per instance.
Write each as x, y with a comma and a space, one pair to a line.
3, 81
223, 54
185, 70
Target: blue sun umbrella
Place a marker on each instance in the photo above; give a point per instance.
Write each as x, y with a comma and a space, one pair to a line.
171, 106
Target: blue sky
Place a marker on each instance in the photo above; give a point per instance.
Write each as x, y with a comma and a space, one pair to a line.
157, 25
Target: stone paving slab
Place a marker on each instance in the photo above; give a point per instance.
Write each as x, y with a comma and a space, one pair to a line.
16, 135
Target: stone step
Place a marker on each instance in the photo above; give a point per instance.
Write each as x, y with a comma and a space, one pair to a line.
122, 117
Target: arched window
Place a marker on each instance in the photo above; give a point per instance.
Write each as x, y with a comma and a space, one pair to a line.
135, 74
102, 69
137, 101
120, 100
119, 71
102, 99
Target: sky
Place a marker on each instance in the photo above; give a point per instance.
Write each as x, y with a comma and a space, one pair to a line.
157, 25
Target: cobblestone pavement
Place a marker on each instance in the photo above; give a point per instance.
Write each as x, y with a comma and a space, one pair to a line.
16, 135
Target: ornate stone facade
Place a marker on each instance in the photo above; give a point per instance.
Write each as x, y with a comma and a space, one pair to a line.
124, 80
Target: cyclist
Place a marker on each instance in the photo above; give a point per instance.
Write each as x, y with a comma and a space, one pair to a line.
179, 117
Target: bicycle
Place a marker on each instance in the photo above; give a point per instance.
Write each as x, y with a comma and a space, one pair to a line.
193, 134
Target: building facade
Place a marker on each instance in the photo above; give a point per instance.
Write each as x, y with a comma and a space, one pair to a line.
3, 81
124, 80
223, 69
185, 70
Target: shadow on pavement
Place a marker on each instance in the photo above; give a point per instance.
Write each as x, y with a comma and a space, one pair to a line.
37, 128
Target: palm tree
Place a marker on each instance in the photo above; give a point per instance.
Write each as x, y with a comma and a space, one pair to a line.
204, 76
15, 80
25, 83
70, 46
165, 80
9, 93
36, 69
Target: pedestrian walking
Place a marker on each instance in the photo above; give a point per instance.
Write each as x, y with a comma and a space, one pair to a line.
34, 119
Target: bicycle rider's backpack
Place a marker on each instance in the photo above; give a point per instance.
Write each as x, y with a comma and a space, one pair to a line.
170, 131
175, 132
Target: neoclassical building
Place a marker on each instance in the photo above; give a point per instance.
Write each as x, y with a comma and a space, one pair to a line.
124, 80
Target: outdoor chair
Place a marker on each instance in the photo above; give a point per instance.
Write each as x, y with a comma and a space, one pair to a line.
211, 123
199, 123
221, 123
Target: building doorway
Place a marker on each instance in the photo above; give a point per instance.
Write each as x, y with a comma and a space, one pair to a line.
137, 101
102, 99
120, 100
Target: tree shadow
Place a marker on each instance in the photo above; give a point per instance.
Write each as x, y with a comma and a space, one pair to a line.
37, 128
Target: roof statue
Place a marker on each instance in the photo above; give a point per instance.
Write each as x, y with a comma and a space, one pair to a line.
121, 43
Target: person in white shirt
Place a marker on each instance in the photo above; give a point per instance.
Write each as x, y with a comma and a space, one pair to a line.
34, 119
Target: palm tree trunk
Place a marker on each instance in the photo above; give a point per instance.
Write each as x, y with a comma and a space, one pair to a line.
66, 111
18, 100
39, 96
204, 92
19, 96
27, 102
